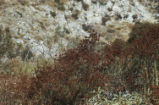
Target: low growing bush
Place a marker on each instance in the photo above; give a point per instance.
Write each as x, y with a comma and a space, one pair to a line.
117, 68
74, 75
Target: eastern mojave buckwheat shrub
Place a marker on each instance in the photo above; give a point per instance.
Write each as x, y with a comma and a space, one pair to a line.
78, 71
144, 39
143, 55
73, 76
122, 66
134, 68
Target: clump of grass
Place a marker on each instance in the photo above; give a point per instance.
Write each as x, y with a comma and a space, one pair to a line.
103, 2
23, 2
2, 2
102, 97
6, 43
75, 14
60, 4
61, 1
16, 66
85, 6
53, 14
105, 19
11, 49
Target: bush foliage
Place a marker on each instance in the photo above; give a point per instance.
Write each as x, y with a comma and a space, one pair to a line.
121, 66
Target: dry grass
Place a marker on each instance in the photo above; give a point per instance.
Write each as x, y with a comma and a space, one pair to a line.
116, 68
1, 2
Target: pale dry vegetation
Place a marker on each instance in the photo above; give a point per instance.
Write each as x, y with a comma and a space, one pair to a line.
120, 68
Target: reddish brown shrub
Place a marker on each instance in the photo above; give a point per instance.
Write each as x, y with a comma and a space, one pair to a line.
73, 76
78, 71
137, 57
14, 89
144, 40
141, 54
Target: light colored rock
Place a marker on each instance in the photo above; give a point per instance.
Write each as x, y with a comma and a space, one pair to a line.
32, 23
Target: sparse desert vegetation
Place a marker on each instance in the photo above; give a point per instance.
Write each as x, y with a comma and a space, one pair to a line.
89, 73
79, 52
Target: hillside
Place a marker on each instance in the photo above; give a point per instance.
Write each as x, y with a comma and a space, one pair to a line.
48, 27
79, 52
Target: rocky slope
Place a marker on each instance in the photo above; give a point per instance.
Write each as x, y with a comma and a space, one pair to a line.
47, 27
